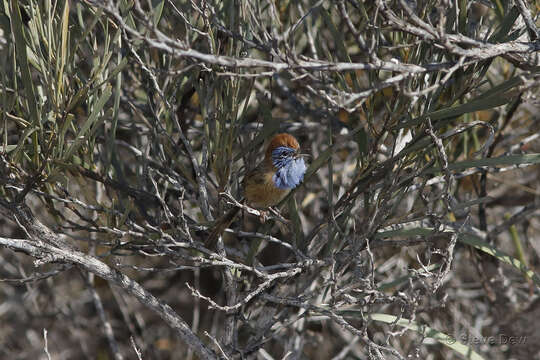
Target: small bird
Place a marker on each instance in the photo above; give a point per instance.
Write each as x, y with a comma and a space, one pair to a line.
281, 170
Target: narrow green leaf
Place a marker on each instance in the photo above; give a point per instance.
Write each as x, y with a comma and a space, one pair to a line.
403, 279
491, 250
17, 28
514, 235
507, 160
65, 126
117, 69
89, 122
499, 8
468, 239
157, 10
27, 132
506, 25
8, 149
462, 18
480, 103
502, 88
337, 36
63, 48
429, 332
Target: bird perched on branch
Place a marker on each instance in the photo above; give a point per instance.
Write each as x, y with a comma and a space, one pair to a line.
281, 170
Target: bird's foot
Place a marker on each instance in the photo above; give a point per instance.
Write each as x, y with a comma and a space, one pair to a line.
263, 216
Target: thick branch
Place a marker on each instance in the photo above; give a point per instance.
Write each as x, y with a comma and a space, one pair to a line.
47, 246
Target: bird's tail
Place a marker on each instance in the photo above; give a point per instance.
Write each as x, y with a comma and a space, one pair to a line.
219, 227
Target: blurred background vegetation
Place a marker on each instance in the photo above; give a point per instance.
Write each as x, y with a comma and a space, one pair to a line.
126, 126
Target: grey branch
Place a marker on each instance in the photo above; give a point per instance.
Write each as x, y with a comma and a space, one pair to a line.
44, 244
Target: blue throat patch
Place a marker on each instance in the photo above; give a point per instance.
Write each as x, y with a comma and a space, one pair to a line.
290, 170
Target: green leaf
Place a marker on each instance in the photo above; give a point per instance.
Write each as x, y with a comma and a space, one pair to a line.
491, 250
63, 48
429, 332
27, 132
89, 122
17, 28
502, 87
8, 149
65, 126
403, 279
22, 57
468, 239
482, 102
507, 160
337, 36
157, 10
506, 25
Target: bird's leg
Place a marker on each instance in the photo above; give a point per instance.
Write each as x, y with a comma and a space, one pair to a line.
263, 215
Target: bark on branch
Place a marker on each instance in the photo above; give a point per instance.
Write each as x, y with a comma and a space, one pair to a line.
46, 246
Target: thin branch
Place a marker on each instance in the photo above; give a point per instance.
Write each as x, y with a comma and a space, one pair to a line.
45, 247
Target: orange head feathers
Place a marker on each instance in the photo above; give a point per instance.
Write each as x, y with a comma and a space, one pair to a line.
282, 170
282, 139
283, 158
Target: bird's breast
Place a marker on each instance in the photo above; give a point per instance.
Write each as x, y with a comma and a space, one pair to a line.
260, 189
